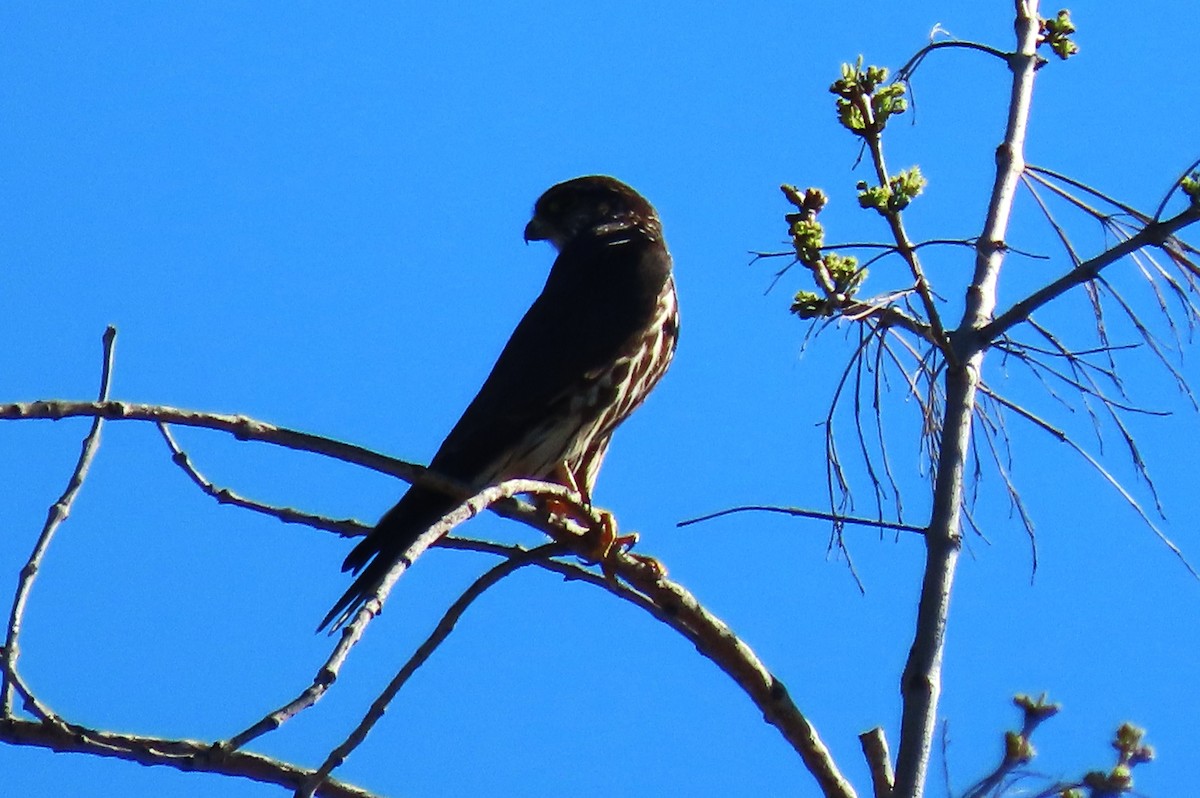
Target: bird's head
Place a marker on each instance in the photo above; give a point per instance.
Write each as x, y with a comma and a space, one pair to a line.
592, 205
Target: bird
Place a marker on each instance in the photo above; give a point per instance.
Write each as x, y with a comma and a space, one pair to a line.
587, 353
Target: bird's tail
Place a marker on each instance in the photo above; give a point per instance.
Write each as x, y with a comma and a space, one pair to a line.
383, 547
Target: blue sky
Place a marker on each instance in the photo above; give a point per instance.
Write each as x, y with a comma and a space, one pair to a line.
312, 214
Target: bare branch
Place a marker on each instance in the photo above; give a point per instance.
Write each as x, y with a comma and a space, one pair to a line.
182, 755
920, 684
875, 749
996, 436
443, 629
352, 633
717, 642
877, 406
906, 72
1153, 234
346, 528
250, 429
243, 428
1040, 173
1103, 472
1132, 502
1058, 229
864, 448
57, 514
1148, 337
667, 601
802, 513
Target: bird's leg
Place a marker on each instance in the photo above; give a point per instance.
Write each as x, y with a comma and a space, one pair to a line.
601, 525
560, 508
602, 540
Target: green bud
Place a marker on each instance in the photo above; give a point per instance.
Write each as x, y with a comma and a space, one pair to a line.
808, 305
1191, 187
900, 191
808, 234
1017, 749
856, 86
1057, 33
844, 272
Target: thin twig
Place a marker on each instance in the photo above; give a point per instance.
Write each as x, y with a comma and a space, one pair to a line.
362, 615
245, 428
1039, 173
802, 513
1103, 472
1058, 228
906, 72
1162, 206
347, 528
57, 514
440, 632
1153, 234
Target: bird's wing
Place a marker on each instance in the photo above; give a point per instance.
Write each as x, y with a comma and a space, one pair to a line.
592, 305
599, 295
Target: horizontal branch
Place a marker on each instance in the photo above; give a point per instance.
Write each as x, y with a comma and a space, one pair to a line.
243, 428
886, 316
797, 511
182, 755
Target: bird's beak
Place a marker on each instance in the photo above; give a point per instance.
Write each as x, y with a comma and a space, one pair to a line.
536, 230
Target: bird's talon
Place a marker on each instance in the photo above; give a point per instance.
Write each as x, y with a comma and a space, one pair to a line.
600, 540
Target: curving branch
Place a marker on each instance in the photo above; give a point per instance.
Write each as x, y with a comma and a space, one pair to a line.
628, 576
439, 634
347, 527
57, 514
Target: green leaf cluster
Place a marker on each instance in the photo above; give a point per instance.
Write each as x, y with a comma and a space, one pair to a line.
1057, 32
837, 276
845, 274
901, 189
808, 235
859, 89
1131, 752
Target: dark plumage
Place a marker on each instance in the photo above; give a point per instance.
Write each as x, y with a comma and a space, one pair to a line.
587, 353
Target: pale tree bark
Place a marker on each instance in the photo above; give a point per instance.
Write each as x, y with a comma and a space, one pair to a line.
921, 681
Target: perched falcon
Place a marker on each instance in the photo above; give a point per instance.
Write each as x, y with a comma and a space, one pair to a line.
587, 353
